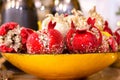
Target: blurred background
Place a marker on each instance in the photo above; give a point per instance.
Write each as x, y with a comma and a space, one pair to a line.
109, 9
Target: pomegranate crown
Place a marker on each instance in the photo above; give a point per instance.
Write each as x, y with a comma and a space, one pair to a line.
51, 25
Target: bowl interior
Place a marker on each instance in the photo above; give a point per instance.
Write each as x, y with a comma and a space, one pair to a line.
62, 65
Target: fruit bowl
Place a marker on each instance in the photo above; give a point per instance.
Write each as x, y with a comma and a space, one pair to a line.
61, 66
116, 64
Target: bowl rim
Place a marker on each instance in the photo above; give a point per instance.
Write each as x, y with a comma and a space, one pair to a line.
62, 53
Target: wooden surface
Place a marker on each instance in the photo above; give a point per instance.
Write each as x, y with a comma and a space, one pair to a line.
106, 74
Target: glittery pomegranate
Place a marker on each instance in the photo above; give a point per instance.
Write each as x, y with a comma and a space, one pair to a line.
47, 41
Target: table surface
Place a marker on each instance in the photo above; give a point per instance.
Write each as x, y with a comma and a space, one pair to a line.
109, 73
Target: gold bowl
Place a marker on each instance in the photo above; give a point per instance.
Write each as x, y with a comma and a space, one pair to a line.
116, 64
61, 66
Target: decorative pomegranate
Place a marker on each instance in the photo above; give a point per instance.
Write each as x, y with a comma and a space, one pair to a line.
107, 28
47, 41
109, 44
83, 41
13, 37
117, 36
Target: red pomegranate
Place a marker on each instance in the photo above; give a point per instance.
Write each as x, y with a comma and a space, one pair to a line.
117, 36
83, 41
46, 41
107, 28
109, 44
13, 37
